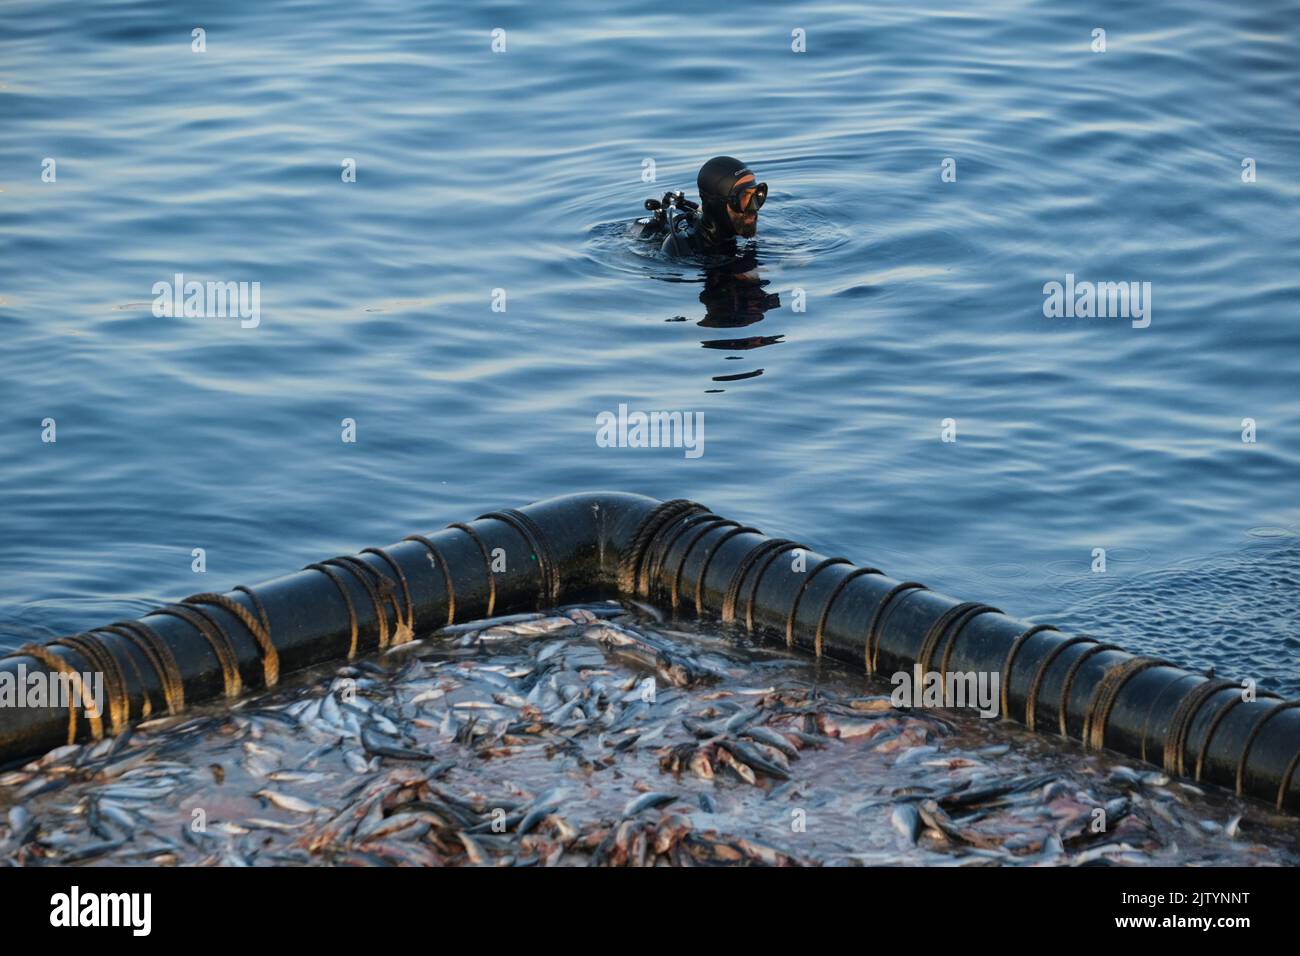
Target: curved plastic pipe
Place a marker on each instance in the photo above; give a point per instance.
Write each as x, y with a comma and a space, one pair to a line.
612, 545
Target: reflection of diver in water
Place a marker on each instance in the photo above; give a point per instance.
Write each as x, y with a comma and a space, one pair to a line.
735, 297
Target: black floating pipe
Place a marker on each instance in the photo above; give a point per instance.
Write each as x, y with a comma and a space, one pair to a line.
677, 553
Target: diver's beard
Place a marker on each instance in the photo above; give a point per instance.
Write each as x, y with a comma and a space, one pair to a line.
747, 229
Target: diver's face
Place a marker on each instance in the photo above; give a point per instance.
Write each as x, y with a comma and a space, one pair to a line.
745, 224
743, 210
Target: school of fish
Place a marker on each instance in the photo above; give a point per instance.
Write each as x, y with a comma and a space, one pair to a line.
600, 735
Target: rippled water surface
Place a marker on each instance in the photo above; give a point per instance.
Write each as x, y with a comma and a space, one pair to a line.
480, 171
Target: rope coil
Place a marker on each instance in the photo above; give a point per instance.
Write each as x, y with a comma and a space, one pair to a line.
703, 528
347, 599
1180, 724
96, 652
1107, 692
758, 579
708, 559
1031, 698
536, 541
956, 631
955, 617
871, 646
660, 517
363, 573
664, 542
818, 568
487, 563
1285, 783
405, 629
55, 663
160, 657
742, 569
826, 611
1210, 731
258, 628
1097, 648
1012, 651
449, 585
216, 638
1254, 732
146, 705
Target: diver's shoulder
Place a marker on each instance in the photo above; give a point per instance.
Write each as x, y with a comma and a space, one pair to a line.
648, 228
687, 245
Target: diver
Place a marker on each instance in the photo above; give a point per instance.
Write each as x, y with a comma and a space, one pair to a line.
730, 198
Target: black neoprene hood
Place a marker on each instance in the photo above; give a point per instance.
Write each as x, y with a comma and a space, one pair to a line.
716, 180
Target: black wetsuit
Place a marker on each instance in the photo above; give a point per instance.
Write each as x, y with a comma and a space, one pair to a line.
690, 236
707, 230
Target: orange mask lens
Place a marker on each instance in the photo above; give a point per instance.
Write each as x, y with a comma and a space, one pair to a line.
749, 198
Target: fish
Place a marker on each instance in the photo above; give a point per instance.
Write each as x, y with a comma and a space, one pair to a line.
915, 754
1116, 850
741, 719
355, 762
59, 755
453, 629
473, 850
289, 802
382, 747
90, 851
410, 826
296, 776
851, 728
40, 785
750, 756
739, 768
647, 801
872, 705
906, 819
258, 823
934, 816
530, 628
433, 693
19, 817
437, 744
768, 736
118, 816
121, 793
95, 821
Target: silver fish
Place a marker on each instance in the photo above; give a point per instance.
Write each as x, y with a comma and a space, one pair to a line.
906, 820
289, 802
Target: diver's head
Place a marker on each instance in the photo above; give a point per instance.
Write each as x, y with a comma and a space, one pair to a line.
730, 196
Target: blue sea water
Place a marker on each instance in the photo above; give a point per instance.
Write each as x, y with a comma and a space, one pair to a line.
922, 300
